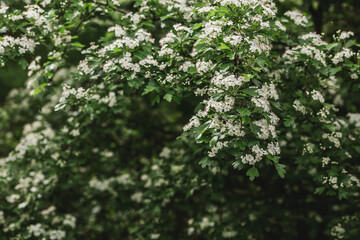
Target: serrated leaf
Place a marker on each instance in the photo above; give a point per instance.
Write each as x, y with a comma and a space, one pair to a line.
280, 168
255, 129
148, 89
213, 141
205, 162
197, 26
250, 91
238, 165
23, 63
261, 63
333, 71
39, 89
223, 46
168, 97
156, 99
244, 112
319, 190
248, 77
275, 159
289, 122
252, 173
240, 145
276, 104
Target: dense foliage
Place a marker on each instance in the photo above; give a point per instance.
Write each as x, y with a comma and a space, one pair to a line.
218, 119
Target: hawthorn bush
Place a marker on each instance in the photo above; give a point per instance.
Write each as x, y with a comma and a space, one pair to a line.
177, 119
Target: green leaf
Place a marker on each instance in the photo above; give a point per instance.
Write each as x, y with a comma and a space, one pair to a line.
192, 70
333, 71
79, 45
223, 46
240, 145
250, 91
167, 16
205, 162
213, 141
261, 63
252, 173
248, 77
255, 129
280, 168
331, 45
197, 26
168, 97
39, 89
350, 43
156, 99
244, 112
275, 159
238, 165
252, 143
289, 122
275, 104
199, 107
140, 54
343, 193
23, 63
149, 89
319, 190
201, 129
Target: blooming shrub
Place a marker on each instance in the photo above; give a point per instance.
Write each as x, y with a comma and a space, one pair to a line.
96, 147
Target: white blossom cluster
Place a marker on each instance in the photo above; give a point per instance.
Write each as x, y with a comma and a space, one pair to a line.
269, 8
297, 17
354, 118
316, 95
219, 80
67, 92
32, 136
273, 148
299, 107
344, 54
334, 138
22, 44
292, 55
314, 38
344, 35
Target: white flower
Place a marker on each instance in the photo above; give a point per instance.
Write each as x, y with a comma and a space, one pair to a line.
316, 95
75, 132
36, 230
248, 159
137, 197
345, 35
297, 17
165, 153
340, 56
299, 107
56, 234
22, 205
70, 221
